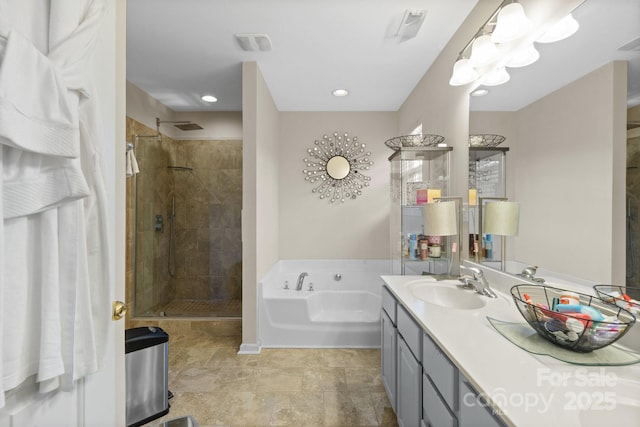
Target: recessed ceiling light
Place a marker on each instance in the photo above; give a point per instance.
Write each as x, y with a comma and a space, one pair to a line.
209, 98
479, 92
340, 92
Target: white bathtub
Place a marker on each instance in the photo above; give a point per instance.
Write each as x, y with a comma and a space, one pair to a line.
336, 313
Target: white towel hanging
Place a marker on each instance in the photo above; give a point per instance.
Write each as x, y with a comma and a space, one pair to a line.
132, 163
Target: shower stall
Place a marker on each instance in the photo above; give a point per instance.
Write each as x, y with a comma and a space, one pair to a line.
185, 248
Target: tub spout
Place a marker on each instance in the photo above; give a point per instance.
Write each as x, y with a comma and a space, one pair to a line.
300, 281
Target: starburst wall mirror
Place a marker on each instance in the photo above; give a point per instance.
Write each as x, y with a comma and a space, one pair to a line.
335, 166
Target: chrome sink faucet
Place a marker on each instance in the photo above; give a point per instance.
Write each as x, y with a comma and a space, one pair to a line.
300, 281
478, 281
530, 272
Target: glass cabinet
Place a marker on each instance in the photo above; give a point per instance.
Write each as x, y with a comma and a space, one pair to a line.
486, 180
418, 176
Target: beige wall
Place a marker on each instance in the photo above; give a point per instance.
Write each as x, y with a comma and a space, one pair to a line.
311, 227
143, 108
568, 178
260, 194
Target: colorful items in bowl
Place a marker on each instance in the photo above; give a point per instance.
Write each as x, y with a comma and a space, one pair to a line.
619, 295
572, 320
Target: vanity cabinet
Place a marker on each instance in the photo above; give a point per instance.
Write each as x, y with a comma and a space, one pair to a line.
409, 370
440, 386
425, 388
474, 410
408, 410
389, 345
418, 175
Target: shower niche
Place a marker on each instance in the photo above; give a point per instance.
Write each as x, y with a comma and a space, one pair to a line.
191, 265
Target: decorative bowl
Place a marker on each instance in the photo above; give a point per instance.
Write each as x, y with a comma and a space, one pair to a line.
485, 140
420, 140
580, 323
627, 297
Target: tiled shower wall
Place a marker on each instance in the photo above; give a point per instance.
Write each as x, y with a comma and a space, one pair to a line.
208, 203
207, 221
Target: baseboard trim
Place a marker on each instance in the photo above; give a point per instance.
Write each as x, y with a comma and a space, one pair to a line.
249, 348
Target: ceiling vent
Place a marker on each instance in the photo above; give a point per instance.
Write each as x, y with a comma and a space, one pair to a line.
411, 23
254, 42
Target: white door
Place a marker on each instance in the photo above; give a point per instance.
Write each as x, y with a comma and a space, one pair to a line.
99, 400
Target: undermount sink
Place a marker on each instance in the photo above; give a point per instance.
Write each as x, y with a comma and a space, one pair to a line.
446, 295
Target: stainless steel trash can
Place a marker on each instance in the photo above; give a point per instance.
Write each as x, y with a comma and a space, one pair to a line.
147, 371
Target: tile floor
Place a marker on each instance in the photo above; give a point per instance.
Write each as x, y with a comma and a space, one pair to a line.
279, 387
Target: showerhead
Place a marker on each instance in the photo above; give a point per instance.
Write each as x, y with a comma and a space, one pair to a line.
180, 124
188, 126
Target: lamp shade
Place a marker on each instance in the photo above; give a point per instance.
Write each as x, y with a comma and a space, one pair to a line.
523, 57
502, 218
483, 52
496, 77
560, 30
463, 73
512, 23
440, 219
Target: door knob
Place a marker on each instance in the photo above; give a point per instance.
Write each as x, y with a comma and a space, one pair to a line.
119, 310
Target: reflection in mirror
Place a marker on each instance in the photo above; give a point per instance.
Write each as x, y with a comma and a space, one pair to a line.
338, 167
564, 121
487, 179
502, 218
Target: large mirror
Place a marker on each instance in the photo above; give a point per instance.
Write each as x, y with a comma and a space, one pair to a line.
564, 122
338, 167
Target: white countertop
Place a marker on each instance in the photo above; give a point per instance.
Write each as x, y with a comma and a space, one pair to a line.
526, 389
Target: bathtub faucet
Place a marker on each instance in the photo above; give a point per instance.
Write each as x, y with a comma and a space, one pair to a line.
300, 281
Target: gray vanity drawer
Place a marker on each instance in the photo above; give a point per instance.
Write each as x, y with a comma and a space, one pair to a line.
441, 371
410, 331
389, 304
474, 410
435, 411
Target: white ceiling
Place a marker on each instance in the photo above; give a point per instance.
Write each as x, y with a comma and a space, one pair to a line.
178, 50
